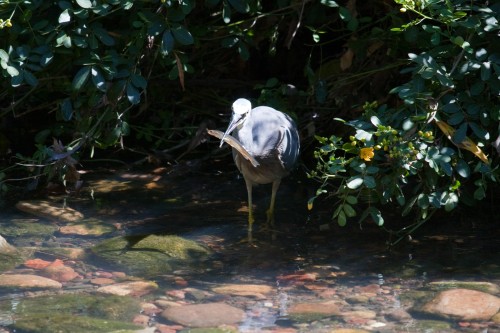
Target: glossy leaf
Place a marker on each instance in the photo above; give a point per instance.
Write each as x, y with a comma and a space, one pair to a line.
133, 94
81, 77
167, 42
355, 182
182, 35
84, 3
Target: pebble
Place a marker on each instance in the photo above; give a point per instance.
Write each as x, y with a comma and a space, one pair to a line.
134, 288
257, 291
204, 315
28, 281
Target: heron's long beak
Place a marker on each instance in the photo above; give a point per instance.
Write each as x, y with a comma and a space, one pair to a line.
236, 120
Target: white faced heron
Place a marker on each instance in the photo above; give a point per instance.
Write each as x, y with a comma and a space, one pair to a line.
266, 148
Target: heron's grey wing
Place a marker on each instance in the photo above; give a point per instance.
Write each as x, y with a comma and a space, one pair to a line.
233, 142
288, 146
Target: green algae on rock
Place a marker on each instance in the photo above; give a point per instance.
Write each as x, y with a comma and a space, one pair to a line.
71, 324
150, 255
73, 313
27, 228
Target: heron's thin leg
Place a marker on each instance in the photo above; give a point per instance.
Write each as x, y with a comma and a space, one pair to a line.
250, 210
270, 211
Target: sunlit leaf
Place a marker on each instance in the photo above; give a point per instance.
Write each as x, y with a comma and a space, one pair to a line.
355, 182
98, 79
133, 94
81, 77
84, 3
64, 17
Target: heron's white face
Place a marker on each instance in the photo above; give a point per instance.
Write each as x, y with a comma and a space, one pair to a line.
242, 106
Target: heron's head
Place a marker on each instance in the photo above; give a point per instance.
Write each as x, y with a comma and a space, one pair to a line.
241, 108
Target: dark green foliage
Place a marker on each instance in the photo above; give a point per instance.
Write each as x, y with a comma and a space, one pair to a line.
406, 92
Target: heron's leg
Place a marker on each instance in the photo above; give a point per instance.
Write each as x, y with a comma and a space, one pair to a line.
270, 211
250, 210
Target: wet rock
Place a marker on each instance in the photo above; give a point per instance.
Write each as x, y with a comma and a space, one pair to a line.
88, 227
486, 287
302, 312
28, 281
27, 228
49, 210
257, 291
348, 330
133, 288
161, 328
204, 315
59, 272
5, 247
100, 281
163, 303
151, 255
70, 323
398, 315
464, 304
141, 320
357, 299
72, 305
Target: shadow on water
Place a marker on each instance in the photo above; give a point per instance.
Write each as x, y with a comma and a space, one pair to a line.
304, 264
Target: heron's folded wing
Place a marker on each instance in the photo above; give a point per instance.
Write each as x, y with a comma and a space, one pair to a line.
231, 140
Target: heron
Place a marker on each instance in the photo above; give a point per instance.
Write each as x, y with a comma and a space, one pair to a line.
265, 144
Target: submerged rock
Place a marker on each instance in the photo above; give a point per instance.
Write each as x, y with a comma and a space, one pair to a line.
204, 315
133, 288
27, 281
150, 255
49, 210
88, 227
73, 313
27, 228
71, 324
486, 287
306, 312
252, 290
464, 304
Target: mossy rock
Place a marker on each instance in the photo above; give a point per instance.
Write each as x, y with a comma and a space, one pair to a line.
486, 287
10, 260
210, 330
150, 255
56, 323
27, 228
111, 307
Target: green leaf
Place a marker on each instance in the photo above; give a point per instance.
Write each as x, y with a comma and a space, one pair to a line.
376, 216
182, 35
354, 182
462, 168
133, 94
349, 211
98, 79
81, 78
139, 81
64, 17
4, 56
67, 109
12, 71
167, 42
84, 3
226, 13
351, 199
369, 182
329, 3
344, 14
30, 78
342, 219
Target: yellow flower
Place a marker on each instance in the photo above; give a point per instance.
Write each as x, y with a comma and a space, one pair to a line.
366, 153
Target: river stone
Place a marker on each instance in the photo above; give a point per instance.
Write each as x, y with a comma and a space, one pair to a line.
27, 281
49, 210
88, 227
252, 290
486, 287
204, 315
305, 312
150, 255
133, 288
464, 304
